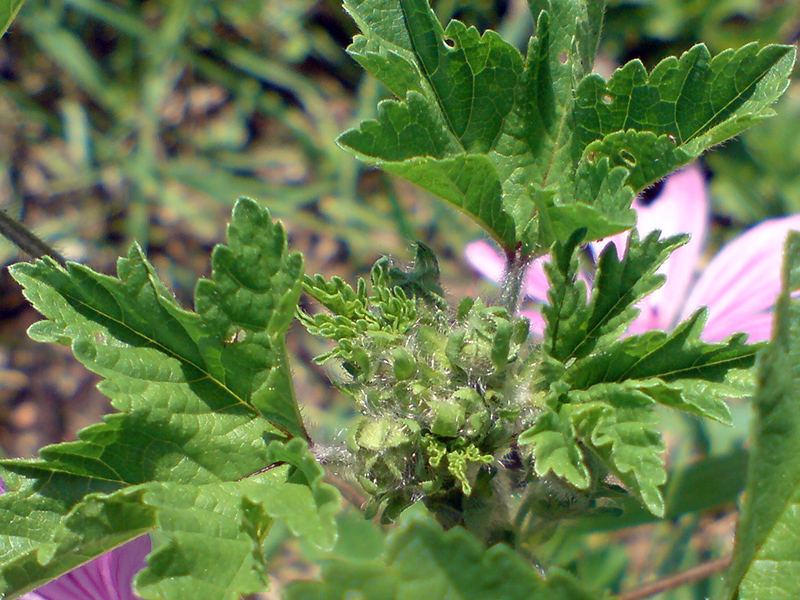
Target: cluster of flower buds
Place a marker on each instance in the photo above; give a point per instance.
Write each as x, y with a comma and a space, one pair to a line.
432, 384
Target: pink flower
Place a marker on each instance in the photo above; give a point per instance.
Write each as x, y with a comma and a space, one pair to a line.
739, 285
107, 577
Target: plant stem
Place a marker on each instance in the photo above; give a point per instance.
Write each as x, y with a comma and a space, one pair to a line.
26, 240
689, 576
516, 266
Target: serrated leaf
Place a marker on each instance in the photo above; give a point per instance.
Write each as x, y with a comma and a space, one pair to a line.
202, 394
476, 124
555, 449
711, 481
617, 423
677, 369
8, 10
32, 515
422, 561
574, 326
356, 315
600, 389
605, 398
232, 517
767, 552
682, 107
225, 364
534, 147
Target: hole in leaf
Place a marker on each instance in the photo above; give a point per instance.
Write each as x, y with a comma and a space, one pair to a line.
239, 335
449, 43
608, 98
628, 158
563, 58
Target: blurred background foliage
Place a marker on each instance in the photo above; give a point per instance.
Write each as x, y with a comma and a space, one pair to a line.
126, 120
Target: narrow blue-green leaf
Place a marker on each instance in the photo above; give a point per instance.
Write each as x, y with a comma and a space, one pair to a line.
766, 563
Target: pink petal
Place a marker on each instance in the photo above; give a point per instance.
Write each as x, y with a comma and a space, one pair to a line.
757, 327
485, 259
743, 279
647, 320
682, 207
107, 577
620, 240
537, 322
536, 284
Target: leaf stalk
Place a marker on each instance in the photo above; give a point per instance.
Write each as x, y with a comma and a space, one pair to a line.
516, 267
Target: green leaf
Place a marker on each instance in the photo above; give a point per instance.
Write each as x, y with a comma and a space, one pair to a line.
617, 423
599, 390
767, 552
711, 481
422, 561
201, 394
228, 359
476, 124
535, 147
32, 515
677, 369
233, 517
357, 318
555, 449
8, 10
575, 326
602, 403
654, 123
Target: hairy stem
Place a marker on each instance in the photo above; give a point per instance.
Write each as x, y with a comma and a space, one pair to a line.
26, 240
516, 267
689, 576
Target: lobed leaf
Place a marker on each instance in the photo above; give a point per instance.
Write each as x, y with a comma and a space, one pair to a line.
555, 449
535, 147
574, 326
233, 517
32, 518
599, 389
202, 395
681, 108
677, 369
617, 423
